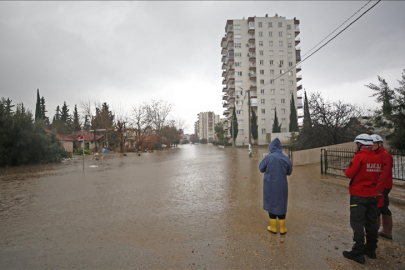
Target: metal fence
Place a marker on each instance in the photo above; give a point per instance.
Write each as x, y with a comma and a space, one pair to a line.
333, 161
289, 152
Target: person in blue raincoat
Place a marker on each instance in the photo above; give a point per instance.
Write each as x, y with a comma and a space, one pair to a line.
275, 166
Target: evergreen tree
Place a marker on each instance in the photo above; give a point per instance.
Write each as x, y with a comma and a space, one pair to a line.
307, 115
76, 123
57, 115
293, 116
38, 114
65, 116
384, 94
397, 137
86, 124
44, 111
234, 125
253, 125
8, 107
276, 125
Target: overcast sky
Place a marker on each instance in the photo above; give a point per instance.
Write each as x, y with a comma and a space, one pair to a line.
126, 53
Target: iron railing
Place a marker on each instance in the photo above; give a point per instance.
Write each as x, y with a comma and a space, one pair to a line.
333, 161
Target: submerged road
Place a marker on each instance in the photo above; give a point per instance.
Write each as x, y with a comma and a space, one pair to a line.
193, 207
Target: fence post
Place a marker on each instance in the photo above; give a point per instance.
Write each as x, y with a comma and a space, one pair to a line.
322, 161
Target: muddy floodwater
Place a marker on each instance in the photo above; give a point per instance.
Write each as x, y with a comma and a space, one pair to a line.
195, 206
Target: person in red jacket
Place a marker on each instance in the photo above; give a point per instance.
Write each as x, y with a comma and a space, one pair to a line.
364, 171
384, 186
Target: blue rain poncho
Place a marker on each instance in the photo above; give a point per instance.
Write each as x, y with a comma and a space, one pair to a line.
275, 166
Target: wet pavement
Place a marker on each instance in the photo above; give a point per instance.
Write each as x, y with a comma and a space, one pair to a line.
193, 207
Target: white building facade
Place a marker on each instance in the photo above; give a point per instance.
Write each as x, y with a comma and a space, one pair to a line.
259, 54
205, 125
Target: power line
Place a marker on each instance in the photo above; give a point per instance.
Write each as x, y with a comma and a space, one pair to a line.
324, 44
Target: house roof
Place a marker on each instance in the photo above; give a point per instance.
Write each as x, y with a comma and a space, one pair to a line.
88, 136
60, 137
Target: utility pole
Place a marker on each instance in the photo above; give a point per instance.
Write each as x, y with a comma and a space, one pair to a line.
233, 121
250, 132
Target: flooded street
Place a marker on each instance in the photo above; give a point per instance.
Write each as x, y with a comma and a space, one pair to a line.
193, 207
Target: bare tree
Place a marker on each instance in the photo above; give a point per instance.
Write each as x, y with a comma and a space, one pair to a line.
157, 113
140, 122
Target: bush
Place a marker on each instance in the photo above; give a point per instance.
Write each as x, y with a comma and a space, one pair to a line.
79, 151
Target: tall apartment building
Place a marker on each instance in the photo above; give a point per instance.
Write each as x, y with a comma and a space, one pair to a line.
205, 125
254, 52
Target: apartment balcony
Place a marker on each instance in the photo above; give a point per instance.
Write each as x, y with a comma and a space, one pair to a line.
252, 49
224, 81
224, 73
253, 94
229, 44
229, 24
253, 102
225, 105
224, 42
230, 32
299, 103
226, 112
252, 67
251, 30
297, 69
225, 97
297, 41
224, 51
299, 87
300, 115
224, 65
230, 79
253, 86
230, 71
252, 40
231, 98
252, 75
299, 78
231, 89
252, 57
298, 54
223, 58
297, 32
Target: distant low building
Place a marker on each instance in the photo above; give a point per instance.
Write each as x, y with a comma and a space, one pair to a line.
89, 140
64, 140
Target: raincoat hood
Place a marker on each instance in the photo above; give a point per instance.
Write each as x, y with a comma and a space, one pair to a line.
275, 146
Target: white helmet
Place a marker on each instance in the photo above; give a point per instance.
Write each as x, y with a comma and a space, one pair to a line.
377, 138
364, 139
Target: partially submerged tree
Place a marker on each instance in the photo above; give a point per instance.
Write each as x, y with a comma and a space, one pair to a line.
293, 116
253, 125
234, 126
276, 125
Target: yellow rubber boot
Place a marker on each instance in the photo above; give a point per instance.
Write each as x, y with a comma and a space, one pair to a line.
283, 230
273, 226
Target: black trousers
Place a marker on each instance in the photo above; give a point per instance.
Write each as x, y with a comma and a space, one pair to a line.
363, 216
384, 210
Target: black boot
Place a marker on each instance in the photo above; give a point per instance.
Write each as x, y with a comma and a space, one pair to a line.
354, 256
370, 253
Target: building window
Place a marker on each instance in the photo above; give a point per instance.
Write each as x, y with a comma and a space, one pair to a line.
271, 62
290, 64
288, 35
263, 110
260, 33
290, 82
272, 112
282, 120
260, 43
263, 131
281, 71
240, 131
239, 102
238, 73
262, 71
251, 24
288, 26
261, 91
263, 120
282, 81
272, 101
271, 81
237, 36
239, 92
236, 27
261, 62
260, 24
270, 43
283, 110
238, 64
238, 45
260, 52
240, 121
270, 34
290, 73
270, 52
283, 101
281, 62
280, 24
272, 91
261, 81
239, 111
289, 54
238, 83
289, 45
271, 71
280, 34
280, 43
280, 52
282, 91
238, 54
270, 24
262, 101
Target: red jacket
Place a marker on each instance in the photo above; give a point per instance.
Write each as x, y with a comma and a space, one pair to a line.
365, 170
386, 174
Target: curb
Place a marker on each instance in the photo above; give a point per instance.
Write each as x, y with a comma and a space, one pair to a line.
395, 197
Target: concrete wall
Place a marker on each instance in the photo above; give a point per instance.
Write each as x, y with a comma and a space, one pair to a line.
68, 145
313, 155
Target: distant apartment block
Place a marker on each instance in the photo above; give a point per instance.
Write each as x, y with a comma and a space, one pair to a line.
205, 125
255, 51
